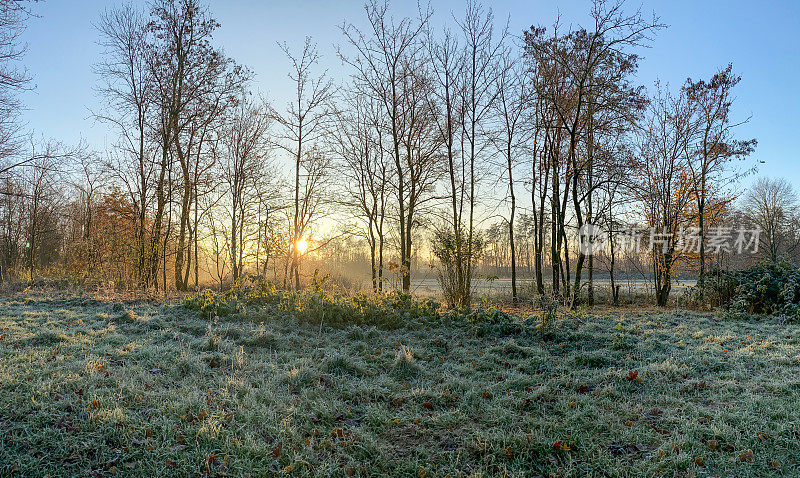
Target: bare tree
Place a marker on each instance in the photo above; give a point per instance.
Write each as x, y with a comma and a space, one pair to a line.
11, 217
217, 260
771, 204
88, 180
358, 142
128, 86
482, 52
42, 199
195, 83
302, 125
13, 79
511, 107
244, 170
386, 62
715, 145
589, 68
448, 74
662, 182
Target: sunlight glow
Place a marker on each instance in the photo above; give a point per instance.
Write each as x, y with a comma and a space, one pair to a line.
302, 245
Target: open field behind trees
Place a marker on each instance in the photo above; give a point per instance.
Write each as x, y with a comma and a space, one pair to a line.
94, 387
633, 289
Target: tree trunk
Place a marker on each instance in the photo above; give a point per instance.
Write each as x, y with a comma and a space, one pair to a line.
511, 226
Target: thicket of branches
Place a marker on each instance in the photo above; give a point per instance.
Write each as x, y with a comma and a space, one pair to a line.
475, 149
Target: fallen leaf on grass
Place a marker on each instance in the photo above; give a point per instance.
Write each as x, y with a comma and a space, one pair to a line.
277, 451
633, 376
560, 445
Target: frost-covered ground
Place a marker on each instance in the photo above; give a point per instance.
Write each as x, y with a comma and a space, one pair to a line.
97, 388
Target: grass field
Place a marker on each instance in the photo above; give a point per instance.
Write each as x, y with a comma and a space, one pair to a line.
97, 388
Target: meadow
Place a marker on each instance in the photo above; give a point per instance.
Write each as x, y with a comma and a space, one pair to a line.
100, 387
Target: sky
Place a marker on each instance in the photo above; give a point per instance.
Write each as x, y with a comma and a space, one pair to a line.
761, 39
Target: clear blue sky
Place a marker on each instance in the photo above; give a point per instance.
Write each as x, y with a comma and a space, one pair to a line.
762, 39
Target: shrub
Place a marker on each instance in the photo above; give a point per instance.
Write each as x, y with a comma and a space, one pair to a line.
717, 289
549, 306
491, 321
456, 263
769, 288
210, 303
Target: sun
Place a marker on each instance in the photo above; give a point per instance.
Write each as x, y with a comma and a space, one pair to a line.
302, 245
